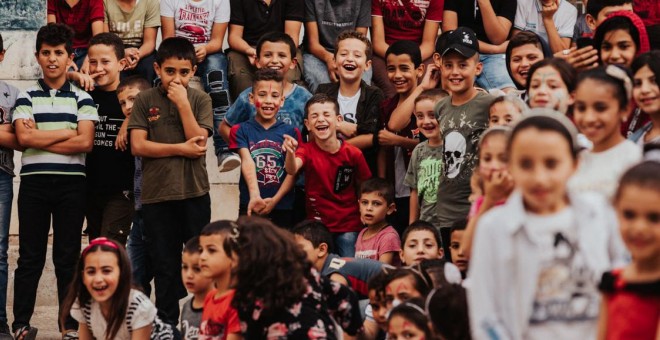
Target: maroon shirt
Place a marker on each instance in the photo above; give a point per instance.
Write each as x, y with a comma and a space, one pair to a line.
79, 17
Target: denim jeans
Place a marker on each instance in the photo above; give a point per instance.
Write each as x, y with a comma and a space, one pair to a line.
345, 243
144, 68
138, 253
494, 74
79, 55
6, 196
316, 72
213, 74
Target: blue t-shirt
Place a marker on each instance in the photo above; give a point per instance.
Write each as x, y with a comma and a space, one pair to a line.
265, 147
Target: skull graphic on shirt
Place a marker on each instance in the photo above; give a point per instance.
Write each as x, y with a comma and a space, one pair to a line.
455, 146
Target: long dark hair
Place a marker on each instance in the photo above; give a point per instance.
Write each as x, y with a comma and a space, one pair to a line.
272, 268
118, 301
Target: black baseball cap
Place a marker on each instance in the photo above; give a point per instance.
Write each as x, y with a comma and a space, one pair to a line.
462, 40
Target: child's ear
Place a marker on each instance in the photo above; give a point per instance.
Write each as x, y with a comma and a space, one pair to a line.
70, 61
368, 64
420, 70
323, 250
193, 71
122, 64
401, 256
441, 252
591, 22
437, 59
294, 62
480, 67
251, 98
157, 69
306, 122
391, 209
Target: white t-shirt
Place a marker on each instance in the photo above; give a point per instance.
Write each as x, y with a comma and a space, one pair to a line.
566, 302
194, 20
141, 312
600, 171
348, 106
529, 18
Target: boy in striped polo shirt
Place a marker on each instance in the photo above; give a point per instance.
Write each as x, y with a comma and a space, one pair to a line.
54, 122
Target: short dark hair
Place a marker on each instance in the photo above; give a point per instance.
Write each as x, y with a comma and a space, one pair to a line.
315, 232
55, 34
176, 47
434, 95
133, 81
448, 311
643, 175
566, 72
379, 185
407, 47
277, 37
595, 6
266, 74
458, 225
321, 98
544, 123
521, 39
618, 85
650, 59
109, 39
192, 246
422, 225
229, 232
351, 34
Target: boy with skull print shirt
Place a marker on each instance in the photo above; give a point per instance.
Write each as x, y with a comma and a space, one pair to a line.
463, 116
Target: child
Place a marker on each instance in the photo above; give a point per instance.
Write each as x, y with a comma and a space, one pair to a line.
265, 188
646, 69
172, 153
101, 299
550, 84
426, 161
55, 138
405, 284
463, 117
110, 207
321, 36
505, 110
218, 245
421, 240
136, 23
375, 324
602, 102
333, 173
545, 247
620, 38
409, 321
275, 50
553, 20
85, 17
358, 102
524, 50
279, 294
379, 240
631, 295
447, 309
456, 252
196, 284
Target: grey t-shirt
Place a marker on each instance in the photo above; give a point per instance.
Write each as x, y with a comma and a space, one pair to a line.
333, 17
461, 128
423, 174
8, 95
191, 318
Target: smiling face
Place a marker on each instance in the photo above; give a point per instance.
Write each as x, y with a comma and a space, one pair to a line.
420, 245
103, 61
646, 91
522, 58
459, 72
373, 208
547, 89
598, 115
402, 73
401, 290
639, 221
426, 120
213, 261
322, 120
276, 56
400, 328
618, 48
101, 275
54, 62
175, 70
351, 59
267, 98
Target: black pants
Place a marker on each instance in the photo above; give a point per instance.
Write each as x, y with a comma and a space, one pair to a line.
167, 226
110, 215
41, 197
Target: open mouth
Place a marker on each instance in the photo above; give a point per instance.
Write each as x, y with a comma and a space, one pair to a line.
401, 82
275, 67
100, 288
350, 67
648, 101
321, 128
455, 81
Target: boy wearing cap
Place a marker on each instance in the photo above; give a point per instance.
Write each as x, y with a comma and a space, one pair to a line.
463, 116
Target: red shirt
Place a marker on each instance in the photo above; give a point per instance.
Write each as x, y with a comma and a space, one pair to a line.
331, 184
79, 17
219, 318
404, 19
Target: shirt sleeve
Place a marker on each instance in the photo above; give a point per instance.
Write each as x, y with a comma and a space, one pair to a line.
152, 18
389, 242
364, 18
310, 11
143, 310
507, 9
371, 121
411, 174
239, 111
51, 7
233, 323
167, 8
376, 9
294, 10
23, 109
434, 12
520, 21
451, 5
86, 107
237, 16
138, 118
566, 23
237, 137
76, 313
222, 12
106, 16
301, 153
96, 11
204, 111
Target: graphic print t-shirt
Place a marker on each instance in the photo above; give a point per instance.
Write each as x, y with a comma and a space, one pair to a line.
8, 96
567, 301
265, 147
194, 20
423, 174
404, 19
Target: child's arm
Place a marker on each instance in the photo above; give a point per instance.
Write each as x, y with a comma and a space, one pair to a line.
167, 26
381, 162
121, 142
496, 27
602, 321
143, 333
248, 169
379, 44
557, 43
315, 47
387, 258
178, 94
387, 138
414, 206
84, 333
215, 44
234, 336
29, 136
362, 141
284, 189
238, 44
402, 114
142, 147
292, 163
8, 138
83, 141
292, 29
429, 36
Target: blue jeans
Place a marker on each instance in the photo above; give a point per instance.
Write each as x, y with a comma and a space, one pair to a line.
494, 74
213, 74
316, 72
6, 196
79, 55
345, 243
138, 253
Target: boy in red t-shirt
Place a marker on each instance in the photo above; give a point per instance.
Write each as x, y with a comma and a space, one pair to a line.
333, 173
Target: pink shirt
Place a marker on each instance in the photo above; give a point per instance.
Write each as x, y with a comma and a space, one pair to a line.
387, 240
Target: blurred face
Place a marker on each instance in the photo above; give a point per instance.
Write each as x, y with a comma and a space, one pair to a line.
276, 56
351, 59
322, 120
607, 10
420, 245
127, 98
618, 48
191, 274
373, 208
103, 62
426, 121
492, 155
379, 309
54, 62
503, 114
267, 98
597, 114
308, 247
400, 328
457, 256
101, 275
541, 164
459, 72
639, 221
400, 290
547, 89
213, 261
522, 58
646, 91
175, 71
402, 72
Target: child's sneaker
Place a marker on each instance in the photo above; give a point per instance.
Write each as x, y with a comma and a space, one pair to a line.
228, 161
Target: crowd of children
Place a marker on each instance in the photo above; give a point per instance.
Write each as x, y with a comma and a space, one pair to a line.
498, 181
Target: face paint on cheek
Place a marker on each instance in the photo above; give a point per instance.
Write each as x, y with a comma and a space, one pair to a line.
559, 102
257, 104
